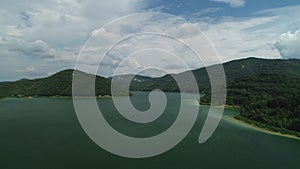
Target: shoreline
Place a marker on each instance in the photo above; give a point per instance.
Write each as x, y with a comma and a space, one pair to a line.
55, 97
227, 118
254, 127
244, 124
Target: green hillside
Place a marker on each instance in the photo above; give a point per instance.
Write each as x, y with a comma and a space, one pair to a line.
233, 69
267, 91
268, 100
59, 84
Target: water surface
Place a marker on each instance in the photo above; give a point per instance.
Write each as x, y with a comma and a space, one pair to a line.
45, 133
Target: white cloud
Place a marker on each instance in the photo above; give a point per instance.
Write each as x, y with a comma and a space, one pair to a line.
52, 30
238, 38
288, 44
29, 69
95, 9
233, 38
173, 27
60, 23
1, 41
52, 33
232, 3
252, 36
37, 49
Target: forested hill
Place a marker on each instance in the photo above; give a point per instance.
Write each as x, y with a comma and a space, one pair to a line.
59, 84
268, 100
254, 66
233, 69
267, 91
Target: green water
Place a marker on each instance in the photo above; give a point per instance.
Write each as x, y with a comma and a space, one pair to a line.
45, 133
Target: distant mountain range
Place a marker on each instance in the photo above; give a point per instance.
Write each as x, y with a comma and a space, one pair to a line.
60, 84
233, 69
266, 90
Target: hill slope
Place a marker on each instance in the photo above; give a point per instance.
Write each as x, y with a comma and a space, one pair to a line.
233, 69
267, 91
268, 100
59, 84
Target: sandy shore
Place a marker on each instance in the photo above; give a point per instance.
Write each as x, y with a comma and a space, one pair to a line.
249, 126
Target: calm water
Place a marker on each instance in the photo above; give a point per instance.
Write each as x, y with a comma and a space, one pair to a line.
45, 133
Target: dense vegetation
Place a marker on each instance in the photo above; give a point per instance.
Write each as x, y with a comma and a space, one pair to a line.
270, 99
59, 84
233, 69
267, 91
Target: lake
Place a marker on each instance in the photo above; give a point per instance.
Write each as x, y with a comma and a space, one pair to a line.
45, 133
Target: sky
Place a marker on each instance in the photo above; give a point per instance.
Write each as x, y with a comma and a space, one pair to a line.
39, 38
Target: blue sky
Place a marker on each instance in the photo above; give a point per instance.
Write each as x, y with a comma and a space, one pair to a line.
247, 7
39, 38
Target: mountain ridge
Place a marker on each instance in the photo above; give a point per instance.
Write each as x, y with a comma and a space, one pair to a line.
233, 69
266, 90
58, 84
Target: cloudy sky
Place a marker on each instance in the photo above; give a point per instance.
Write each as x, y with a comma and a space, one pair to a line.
39, 38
